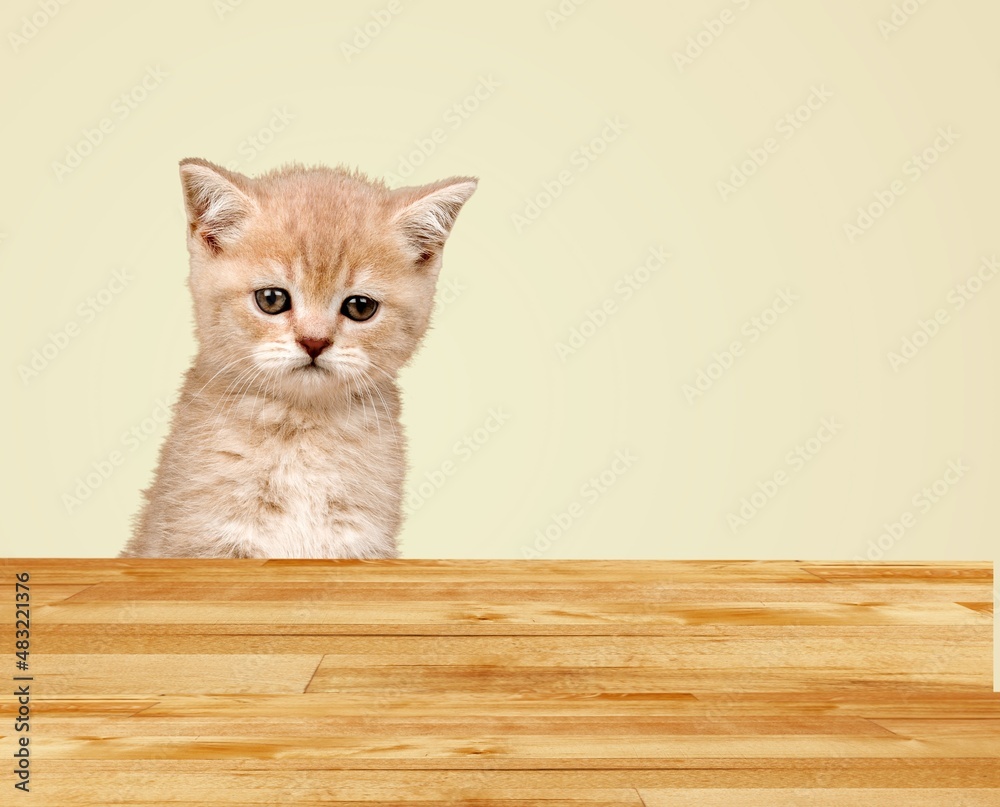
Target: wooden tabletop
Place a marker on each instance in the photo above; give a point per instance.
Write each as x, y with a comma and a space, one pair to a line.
505, 683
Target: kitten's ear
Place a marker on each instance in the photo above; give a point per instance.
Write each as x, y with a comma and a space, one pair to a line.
218, 202
427, 213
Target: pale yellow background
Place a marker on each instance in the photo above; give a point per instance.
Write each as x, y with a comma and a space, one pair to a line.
494, 346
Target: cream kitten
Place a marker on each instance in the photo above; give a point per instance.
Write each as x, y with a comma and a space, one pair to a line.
312, 287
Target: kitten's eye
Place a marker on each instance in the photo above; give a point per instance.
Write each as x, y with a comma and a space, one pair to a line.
359, 308
273, 301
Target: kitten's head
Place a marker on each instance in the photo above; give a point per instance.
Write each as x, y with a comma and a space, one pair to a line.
307, 281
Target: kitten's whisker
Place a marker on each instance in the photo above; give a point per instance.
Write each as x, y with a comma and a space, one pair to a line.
242, 396
262, 395
224, 367
378, 419
359, 369
350, 399
256, 398
382, 370
236, 381
234, 399
224, 397
364, 408
385, 407
272, 383
361, 398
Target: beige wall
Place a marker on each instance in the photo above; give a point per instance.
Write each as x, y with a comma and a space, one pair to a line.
633, 152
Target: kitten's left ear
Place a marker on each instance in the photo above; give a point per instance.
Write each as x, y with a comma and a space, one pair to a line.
427, 213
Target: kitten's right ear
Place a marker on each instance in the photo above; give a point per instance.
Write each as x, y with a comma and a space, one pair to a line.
218, 202
429, 211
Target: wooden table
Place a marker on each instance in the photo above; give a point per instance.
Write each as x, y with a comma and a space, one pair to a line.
506, 683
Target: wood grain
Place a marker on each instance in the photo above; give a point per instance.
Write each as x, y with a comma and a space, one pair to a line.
510, 683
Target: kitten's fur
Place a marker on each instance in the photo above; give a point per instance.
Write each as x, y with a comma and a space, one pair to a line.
268, 456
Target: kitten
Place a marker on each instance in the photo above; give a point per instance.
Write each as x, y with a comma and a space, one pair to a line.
312, 287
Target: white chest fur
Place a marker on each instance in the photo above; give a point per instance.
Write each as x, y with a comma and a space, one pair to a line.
327, 489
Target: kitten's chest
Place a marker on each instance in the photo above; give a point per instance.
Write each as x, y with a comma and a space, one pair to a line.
312, 494
291, 475
276, 481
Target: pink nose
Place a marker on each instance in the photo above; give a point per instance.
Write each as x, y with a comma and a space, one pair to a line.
314, 346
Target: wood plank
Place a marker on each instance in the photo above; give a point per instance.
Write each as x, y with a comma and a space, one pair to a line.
702, 772
943, 726
556, 681
528, 751
49, 594
869, 704
146, 674
969, 593
833, 797
193, 782
384, 724
900, 570
153, 637
99, 570
966, 646
539, 618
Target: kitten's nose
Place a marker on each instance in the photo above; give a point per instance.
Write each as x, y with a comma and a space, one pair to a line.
314, 346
